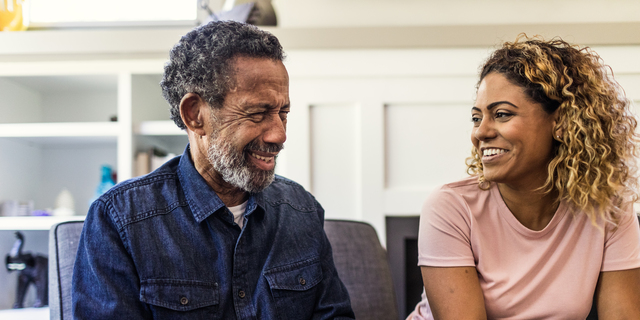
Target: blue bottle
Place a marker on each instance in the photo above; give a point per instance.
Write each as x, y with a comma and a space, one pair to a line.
106, 182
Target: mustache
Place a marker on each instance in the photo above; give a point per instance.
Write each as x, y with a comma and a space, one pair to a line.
256, 145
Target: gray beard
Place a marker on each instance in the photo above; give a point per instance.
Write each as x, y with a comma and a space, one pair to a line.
234, 167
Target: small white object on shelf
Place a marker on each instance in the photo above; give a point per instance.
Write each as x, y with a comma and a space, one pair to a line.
64, 204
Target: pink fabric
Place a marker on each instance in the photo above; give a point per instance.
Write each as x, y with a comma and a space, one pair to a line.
524, 274
422, 310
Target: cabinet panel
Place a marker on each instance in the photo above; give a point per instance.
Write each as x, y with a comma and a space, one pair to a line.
79, 98
426, 144
335, 159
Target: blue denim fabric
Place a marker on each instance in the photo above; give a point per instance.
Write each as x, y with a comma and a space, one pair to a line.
164, 246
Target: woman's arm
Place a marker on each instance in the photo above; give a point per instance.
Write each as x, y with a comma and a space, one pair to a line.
618, 295
454, 293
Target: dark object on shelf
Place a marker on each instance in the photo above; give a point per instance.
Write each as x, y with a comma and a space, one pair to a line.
33, 269
257, 12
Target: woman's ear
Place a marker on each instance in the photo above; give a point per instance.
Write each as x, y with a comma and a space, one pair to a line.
193, 110
559, 133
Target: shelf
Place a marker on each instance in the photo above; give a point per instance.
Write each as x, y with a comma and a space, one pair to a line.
62, 132
159, 128
59, 129
25, 314
34, 223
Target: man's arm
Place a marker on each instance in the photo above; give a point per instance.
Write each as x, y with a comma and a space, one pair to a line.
454, 293
333, 302
105, 283
618, 295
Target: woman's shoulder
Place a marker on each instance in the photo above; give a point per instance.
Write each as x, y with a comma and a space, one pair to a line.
470, 183
464, 188
463, 194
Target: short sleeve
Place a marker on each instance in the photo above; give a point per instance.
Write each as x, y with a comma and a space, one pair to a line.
622, 245
445, 229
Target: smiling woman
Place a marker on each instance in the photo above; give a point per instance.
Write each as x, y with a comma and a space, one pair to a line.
544, 225
512, 133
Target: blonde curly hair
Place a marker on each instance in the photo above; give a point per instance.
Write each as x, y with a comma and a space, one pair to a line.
594, 168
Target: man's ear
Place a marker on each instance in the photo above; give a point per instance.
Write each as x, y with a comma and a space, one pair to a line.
193, 110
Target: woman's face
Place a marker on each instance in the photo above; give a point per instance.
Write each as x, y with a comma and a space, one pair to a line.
512, 134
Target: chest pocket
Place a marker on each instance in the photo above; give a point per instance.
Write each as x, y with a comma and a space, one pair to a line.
178, 299
296, 282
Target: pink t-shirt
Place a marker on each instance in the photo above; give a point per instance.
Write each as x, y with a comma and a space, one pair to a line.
524, 274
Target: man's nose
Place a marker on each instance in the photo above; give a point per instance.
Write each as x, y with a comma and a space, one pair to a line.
276, 131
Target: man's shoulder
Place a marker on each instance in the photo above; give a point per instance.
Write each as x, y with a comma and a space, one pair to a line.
151, 181
286, 191
155, 191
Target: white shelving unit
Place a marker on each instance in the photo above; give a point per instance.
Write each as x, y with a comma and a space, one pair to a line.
62, 120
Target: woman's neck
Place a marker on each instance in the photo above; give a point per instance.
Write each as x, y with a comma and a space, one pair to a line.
532, 207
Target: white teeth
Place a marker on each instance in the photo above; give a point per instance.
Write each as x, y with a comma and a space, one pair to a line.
265, 159
491, 152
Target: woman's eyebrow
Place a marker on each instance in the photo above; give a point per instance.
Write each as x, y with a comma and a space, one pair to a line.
493, 105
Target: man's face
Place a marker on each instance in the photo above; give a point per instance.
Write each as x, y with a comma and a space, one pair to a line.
250, 128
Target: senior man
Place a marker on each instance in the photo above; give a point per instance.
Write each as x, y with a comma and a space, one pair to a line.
213, 233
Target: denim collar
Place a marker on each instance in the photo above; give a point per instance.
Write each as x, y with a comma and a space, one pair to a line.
202, 200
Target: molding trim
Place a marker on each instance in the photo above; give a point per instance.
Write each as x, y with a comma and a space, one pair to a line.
591, 34
123, 43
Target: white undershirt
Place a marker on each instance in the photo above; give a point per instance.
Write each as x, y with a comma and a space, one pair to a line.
238, 213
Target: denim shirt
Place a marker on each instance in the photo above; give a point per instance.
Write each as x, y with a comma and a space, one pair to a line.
164, 246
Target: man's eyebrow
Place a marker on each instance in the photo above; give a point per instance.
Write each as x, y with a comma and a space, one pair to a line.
493, 105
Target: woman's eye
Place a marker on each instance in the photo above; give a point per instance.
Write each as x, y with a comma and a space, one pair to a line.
476, 120
502, 114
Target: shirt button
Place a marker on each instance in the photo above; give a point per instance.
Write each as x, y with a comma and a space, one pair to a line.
184, 300
241, 294
302, 281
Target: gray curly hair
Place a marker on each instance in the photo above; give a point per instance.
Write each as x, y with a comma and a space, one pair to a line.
201, 61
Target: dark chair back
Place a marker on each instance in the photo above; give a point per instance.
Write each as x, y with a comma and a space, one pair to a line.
363, 268
63, 246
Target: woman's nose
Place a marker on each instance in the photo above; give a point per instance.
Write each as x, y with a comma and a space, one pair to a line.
485, 130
